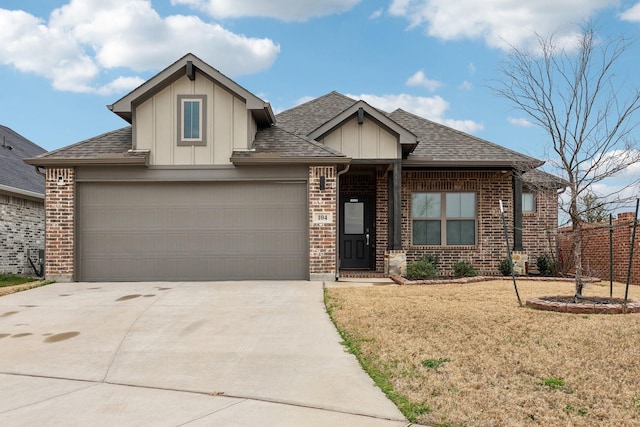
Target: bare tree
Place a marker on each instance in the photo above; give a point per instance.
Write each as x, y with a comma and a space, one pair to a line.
574, 95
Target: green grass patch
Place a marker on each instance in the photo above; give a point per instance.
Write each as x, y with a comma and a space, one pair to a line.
13, 280
434, 363
553, 383
411, 410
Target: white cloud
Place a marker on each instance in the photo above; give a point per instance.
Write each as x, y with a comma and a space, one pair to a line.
520, 122
499, 23
632, 14
85, 38
472, 68
284, 10
432, 108
377, 14
465, 85
419, 79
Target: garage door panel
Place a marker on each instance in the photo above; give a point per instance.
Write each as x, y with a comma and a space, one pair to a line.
192, 231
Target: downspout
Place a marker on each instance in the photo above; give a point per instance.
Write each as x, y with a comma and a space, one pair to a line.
342, 172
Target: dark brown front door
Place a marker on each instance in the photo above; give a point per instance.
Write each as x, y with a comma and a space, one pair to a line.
356, 232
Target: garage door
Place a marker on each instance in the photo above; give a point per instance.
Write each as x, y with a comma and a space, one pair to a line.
192, 231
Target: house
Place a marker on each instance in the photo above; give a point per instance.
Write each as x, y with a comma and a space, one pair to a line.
21, 205
207, 183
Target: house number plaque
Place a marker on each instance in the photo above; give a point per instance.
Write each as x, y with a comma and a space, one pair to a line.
322, 218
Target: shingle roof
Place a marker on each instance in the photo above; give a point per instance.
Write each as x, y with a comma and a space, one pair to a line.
111, 145
278, 140
305, 118
114, 142
14, 172
441, 144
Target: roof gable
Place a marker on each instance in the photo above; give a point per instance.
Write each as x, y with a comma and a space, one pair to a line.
15, 174
185, 66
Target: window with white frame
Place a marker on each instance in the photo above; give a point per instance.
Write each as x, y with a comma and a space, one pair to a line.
192, 113
440, 218
528, 203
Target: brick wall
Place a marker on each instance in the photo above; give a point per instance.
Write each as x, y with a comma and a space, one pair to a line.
59, 224
595, 250
322, 236
490, 187
21, 229
382, 218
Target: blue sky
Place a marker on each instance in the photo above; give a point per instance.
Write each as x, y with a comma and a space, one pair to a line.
63, 61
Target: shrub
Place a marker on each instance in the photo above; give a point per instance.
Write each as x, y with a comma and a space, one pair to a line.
546, 265
424, 268
464, 269
505, 267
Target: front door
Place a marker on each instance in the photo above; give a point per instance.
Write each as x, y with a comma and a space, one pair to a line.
356, 232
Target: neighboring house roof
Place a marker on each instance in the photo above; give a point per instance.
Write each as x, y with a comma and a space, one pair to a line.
109, 148
15, 175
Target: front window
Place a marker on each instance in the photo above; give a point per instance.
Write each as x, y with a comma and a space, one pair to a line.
443, 218
191, 120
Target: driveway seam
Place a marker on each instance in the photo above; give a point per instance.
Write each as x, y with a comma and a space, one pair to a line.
126, 335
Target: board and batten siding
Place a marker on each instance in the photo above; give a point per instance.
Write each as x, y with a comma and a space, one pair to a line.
363, 141
227, 124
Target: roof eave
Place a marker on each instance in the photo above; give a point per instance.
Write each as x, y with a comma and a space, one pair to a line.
92, 161
474, 163
280, 160
23, 193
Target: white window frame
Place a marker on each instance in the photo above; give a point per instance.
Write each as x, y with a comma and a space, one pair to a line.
201, 140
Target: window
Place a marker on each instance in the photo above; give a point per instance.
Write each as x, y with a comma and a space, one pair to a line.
528, 203
192, 113
443, 218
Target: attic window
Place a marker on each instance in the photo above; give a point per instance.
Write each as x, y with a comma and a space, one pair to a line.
192, 116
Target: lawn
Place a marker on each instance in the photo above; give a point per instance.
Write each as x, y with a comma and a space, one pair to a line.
10, 283
467, 355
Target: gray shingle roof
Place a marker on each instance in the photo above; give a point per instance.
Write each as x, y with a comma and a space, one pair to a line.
13, 171
114, 142
305, 118
439, 143
278, 140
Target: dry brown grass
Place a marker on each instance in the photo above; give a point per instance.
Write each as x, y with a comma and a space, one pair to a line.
499, 354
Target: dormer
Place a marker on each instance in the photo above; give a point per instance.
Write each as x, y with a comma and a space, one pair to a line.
191, 114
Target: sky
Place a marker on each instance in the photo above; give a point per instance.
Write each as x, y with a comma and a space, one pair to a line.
63, 61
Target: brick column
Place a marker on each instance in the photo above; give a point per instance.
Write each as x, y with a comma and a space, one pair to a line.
322, 223
59, 224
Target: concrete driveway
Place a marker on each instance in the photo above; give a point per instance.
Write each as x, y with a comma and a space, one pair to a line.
174, 354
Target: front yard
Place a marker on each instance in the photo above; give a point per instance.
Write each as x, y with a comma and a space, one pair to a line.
10, 283
467, 355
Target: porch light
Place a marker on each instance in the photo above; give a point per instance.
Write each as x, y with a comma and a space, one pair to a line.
323, 182
61, 180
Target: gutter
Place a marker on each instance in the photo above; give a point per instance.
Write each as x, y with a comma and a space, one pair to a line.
106, 161
27, 193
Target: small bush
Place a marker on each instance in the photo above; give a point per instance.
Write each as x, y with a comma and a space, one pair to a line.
546, 265
505, 267
464, 269
422, 269
432, 258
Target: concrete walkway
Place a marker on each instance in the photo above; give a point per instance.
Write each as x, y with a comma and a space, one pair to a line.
174, 354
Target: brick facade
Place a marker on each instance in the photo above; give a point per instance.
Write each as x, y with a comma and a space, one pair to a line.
595, 251
59, 224
21, 230
490, 187
322, 235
